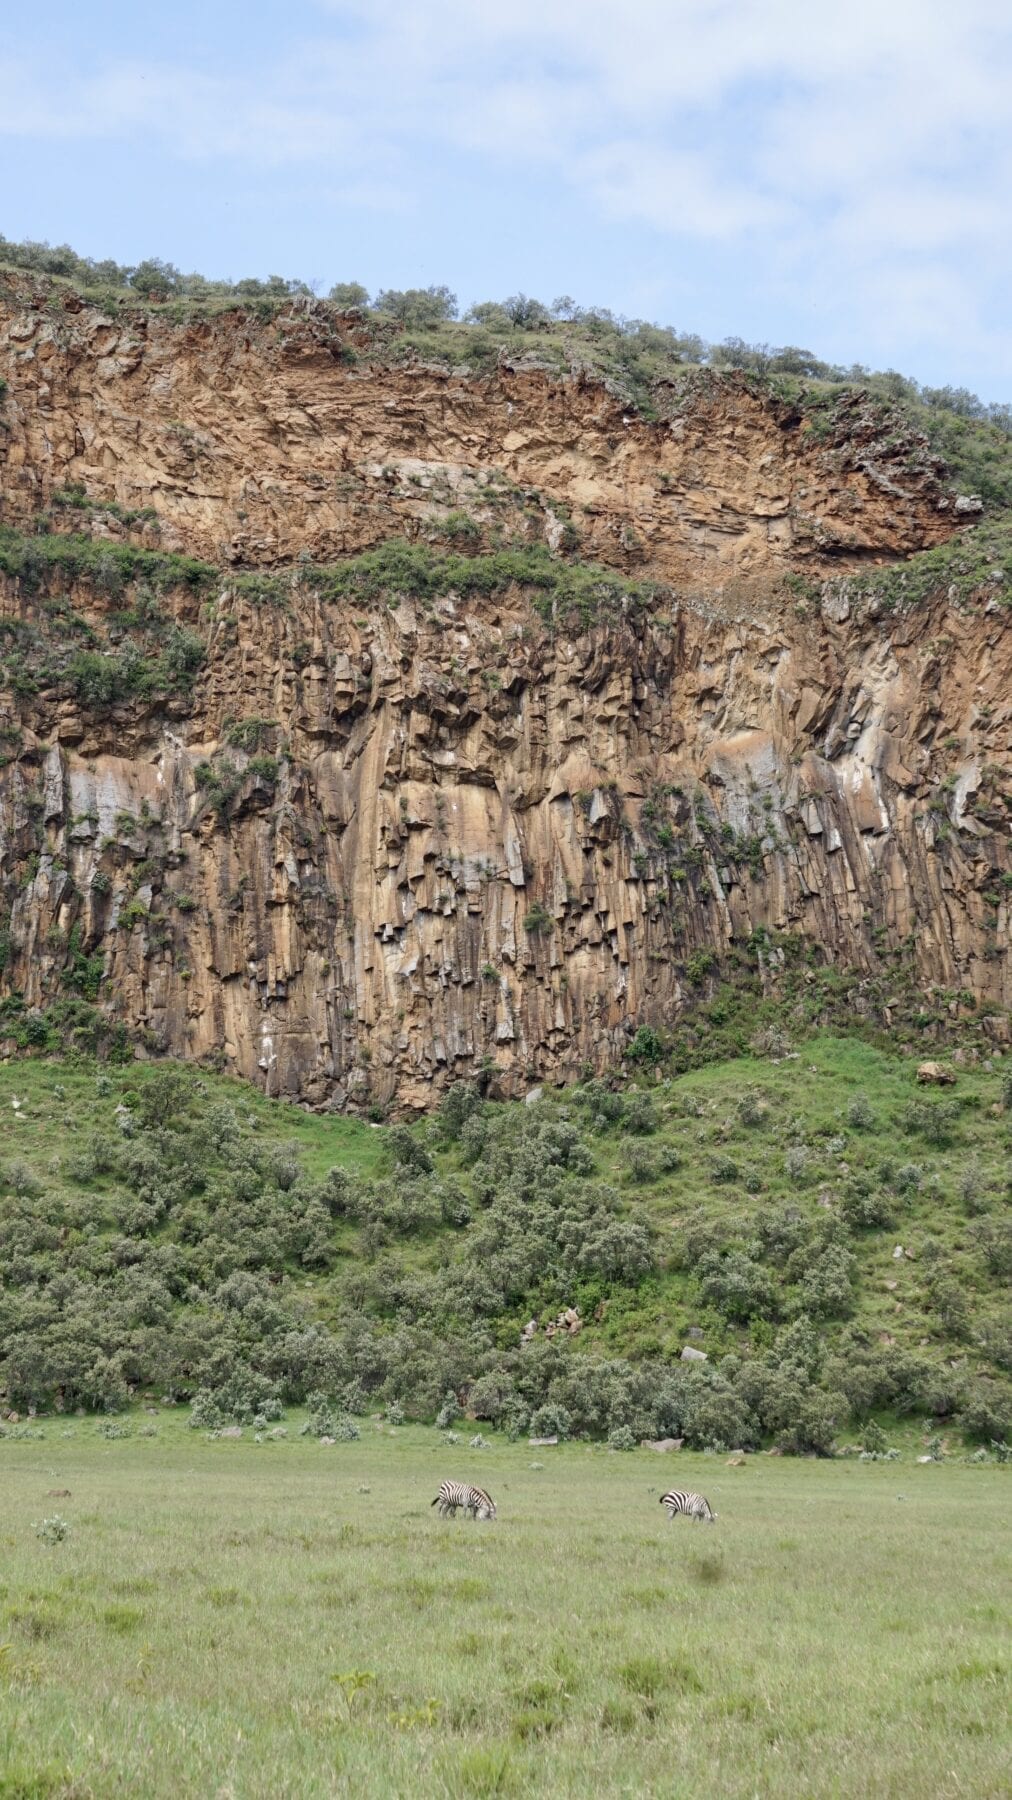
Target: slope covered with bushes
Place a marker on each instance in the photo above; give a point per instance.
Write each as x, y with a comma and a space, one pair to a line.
833, 1238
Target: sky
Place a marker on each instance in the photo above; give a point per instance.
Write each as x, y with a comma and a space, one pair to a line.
837, 177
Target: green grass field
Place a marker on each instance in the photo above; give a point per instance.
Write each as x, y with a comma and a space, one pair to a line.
240, 1619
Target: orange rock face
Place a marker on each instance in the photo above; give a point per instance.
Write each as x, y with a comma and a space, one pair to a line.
472, 840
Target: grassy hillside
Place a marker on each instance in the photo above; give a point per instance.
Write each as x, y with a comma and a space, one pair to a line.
281, 1619
836, 1240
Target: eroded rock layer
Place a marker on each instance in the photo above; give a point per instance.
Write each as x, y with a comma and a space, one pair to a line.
260, 442
385, 841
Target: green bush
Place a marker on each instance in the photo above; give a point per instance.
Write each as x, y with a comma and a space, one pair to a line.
109, 567
717, 1418
642, 1166
753, 1110
796, 1165
646, 1046
949, 1305
418, 307
824, 1277
816, 1424
907, 1179
349, 295
873, 1439
538, 920
737, 1286
864, 1209
994, 1239
987, 1413
639, 1115
724, 1169
699, 965
551, 1421
936, 1121
181, 1265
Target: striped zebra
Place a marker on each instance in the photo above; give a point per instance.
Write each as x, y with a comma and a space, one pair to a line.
476, 1503
692, 1505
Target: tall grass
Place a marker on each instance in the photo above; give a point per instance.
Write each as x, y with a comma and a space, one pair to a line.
284, 1619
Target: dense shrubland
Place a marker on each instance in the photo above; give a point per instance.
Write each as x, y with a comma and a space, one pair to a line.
180, 1245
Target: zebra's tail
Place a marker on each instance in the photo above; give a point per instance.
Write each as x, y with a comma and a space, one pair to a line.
434, 1502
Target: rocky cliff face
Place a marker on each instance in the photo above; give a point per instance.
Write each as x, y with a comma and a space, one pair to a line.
400, 828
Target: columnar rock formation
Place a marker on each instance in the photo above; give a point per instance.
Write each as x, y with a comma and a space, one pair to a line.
389, 838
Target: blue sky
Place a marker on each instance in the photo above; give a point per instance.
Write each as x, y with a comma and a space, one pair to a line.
836, 177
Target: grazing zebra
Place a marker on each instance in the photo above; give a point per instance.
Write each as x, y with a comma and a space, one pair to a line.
693, 1505
458, 1493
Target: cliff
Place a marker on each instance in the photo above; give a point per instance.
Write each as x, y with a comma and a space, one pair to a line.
366, 725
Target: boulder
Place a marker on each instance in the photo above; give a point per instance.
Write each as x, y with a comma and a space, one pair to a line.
690, 1354
935, 1074
661, 1444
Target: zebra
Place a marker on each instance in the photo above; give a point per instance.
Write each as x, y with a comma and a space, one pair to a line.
476, 1503
692, 1505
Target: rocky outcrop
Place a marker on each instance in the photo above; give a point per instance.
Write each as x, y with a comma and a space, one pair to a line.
258, 442
389, 841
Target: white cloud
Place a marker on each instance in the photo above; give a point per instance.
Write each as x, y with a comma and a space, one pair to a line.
675, 191
863, 153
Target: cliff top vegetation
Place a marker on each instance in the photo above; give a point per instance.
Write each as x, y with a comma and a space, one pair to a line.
636, 356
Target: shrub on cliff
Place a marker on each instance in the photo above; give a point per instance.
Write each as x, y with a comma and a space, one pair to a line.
538, 920
418, 308
349, 295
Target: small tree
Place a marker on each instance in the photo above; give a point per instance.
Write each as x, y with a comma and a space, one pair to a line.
156, 278
526, 313
349, 295
421, 308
